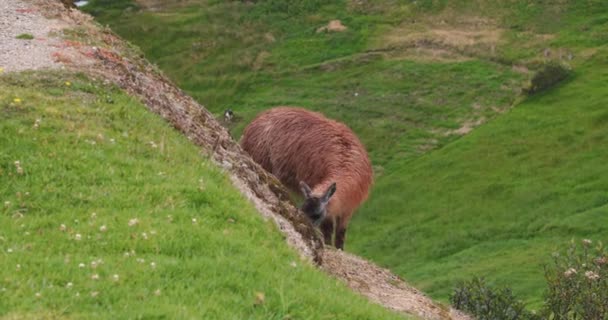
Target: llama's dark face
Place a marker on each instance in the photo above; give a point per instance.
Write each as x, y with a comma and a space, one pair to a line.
315, 208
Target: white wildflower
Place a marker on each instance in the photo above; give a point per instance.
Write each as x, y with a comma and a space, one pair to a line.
157, 292
569, 272
9, 250
38, 295
115, 277
587, 242
7, 204
193, 220
81, 265
592, 275
144, 235
93, 215
103, 228
78, 237
62, 227
69, 285
133, 222
95, 276
153, 265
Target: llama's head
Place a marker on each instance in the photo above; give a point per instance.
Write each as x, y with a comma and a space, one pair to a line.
315, 207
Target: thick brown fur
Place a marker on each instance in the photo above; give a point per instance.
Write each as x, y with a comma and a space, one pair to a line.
297, 145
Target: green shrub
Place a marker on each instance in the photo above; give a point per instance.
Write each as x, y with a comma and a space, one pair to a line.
578, 283
577, 289
484, 302
547, 76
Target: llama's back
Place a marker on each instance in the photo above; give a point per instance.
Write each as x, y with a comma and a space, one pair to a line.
299, 145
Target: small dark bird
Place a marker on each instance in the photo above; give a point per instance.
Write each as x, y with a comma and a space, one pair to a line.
228, 115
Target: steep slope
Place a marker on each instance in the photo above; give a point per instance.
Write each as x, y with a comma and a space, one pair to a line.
115, 215
109, 212
410, 78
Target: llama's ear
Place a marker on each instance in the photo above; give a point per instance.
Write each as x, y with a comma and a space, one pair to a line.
305, 190
330, 192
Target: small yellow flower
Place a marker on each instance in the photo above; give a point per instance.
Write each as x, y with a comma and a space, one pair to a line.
17, 100
67, 83
1, 70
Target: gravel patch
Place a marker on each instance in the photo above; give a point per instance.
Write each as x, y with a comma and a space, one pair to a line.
16, 18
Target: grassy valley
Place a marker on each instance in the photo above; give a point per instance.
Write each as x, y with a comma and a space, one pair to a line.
413, 78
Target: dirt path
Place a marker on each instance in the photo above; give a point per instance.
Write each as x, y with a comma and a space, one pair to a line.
21, 18
112, 59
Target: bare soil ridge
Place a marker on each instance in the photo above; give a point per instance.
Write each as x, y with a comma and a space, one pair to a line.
103, 55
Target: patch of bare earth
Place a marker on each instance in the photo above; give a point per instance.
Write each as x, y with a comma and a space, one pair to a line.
22, 18
438, 40
101, 54
383, 287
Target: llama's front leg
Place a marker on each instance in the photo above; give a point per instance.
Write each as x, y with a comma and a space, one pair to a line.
341, 225
327, 227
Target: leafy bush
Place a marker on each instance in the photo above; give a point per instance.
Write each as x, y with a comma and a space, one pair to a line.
484, 302
547, 76
578, 283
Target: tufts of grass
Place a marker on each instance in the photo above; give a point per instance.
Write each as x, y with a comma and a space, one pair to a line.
25, 36
107, 212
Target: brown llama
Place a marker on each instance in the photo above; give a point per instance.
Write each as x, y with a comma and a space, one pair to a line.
303, 148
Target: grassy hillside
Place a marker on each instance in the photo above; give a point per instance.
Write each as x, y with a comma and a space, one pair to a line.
107, 212
230, 54
411, 77
498, 202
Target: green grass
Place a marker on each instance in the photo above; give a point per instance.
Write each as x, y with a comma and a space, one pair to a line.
25, 36
496, 202
91, 159
249, 58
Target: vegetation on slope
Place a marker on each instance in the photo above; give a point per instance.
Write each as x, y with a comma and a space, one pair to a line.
107, 212
410, 77
499, 201
250, 57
